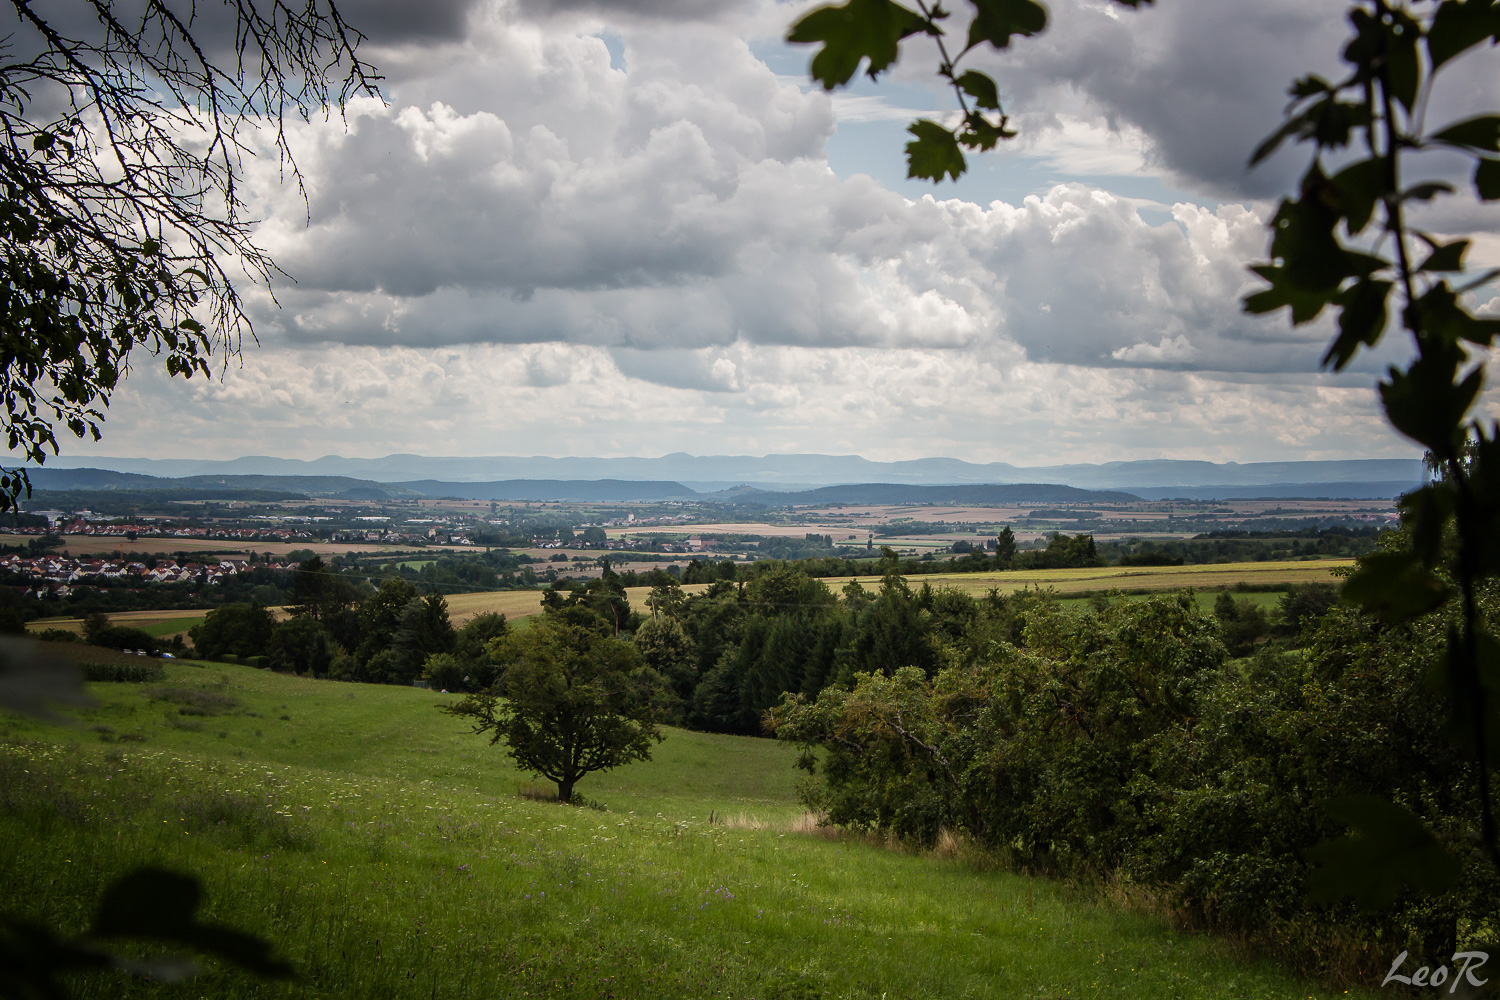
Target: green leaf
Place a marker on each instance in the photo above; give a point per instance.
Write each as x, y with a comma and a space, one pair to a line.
162, 905
1305, 305
1426, 191
1487, 179
996, 21
1448, 257
1458, 26
1309, 86
1403, 65
979, 132
1390, 850
1439, 315
1459, 679
1304, 240
1427, 403
1481, 133
856, 31
1426, 513
1362, 321
980, 87
934, 153
1269, 145
1394, 585
1358, 191
1328, 122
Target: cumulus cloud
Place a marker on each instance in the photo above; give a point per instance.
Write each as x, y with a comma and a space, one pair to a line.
521, 188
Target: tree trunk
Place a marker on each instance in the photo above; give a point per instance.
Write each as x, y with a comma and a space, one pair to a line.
565, 790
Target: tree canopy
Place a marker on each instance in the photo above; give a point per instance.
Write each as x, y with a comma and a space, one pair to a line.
569, 701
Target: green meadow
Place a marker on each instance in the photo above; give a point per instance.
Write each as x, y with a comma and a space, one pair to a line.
390, 853
1266, 600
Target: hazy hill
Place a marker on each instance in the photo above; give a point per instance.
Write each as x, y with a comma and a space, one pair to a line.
896, 493
599, 490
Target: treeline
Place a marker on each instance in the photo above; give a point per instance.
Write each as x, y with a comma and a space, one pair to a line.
497, 569
1243, 546
339, 630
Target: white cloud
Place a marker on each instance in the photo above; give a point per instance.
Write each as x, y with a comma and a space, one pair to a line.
849, 107
1168, 351
1081, 147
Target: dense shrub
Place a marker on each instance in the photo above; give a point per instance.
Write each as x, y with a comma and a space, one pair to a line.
242, 630
138, 670
1124, 744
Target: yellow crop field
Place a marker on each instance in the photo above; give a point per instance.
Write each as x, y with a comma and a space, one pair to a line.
1066, 581
523, 603
129, 619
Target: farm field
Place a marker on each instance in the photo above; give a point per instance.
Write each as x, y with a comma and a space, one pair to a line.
386, 852
1066, 581
521, 603
157, 623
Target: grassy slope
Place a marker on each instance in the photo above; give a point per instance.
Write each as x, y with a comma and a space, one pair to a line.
387, 853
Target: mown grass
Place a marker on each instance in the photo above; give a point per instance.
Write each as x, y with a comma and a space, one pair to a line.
388, 854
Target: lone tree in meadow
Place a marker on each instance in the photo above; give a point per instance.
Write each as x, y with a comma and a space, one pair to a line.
569, 701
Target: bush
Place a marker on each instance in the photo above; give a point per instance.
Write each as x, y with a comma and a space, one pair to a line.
239, 629
119, 637
140, 671
446, 672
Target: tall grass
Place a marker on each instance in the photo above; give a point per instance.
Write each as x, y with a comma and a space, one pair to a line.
388, 854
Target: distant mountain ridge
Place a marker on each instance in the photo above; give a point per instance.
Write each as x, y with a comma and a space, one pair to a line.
772, 472
898, 493
596, 490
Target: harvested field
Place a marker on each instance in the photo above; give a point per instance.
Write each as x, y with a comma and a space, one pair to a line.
1066, 581
524, 603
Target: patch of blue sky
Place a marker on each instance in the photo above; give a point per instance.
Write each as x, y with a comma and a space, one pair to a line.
616, 46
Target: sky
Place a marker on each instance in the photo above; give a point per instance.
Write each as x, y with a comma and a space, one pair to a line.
608, 228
